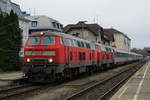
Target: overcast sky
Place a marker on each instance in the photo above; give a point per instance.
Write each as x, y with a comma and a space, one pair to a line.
131, 17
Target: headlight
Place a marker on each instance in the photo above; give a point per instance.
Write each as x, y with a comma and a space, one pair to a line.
28, 60
50, 60
42, 33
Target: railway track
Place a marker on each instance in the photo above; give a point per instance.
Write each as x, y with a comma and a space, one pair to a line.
102, 90
87, 94
18, 90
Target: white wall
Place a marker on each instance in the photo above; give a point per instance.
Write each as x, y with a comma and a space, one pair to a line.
24, 25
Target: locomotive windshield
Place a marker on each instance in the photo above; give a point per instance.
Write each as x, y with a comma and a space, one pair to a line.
48, 41
44, 41
34, 41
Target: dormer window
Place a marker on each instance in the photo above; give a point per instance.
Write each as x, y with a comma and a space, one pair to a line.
34, 24
61, 26
57, 25
54, 24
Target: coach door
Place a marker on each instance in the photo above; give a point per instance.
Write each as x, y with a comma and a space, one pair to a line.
67, 51
93, 53
98, 54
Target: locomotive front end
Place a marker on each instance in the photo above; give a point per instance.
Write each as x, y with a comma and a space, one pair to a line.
40, 58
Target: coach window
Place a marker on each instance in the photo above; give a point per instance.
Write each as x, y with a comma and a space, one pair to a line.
109, 49
82, 44
94, 47
101, 48
69, 42
48, 41
65, 42
117, 54
72, 43
88, 45
79, 44
91, 46
75, 43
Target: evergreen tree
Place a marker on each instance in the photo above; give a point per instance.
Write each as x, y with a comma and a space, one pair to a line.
11, 38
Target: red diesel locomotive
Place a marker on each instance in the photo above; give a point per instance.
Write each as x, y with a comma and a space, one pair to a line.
49, 56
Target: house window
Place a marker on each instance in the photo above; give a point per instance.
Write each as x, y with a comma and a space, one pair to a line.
54, 24
57, 25
34, 24
85, 34
61, 26
73, 32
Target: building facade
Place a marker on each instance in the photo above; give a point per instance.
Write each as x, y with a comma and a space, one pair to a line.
44, 23
121, 41
109, 38
24, 25
91, 32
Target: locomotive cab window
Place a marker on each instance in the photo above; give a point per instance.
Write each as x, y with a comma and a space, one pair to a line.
34, 41
48, 41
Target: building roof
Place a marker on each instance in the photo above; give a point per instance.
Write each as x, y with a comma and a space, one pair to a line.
112, 31
109, 34
94, 28
44, 22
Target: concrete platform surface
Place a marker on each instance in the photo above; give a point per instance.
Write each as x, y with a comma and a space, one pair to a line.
11, 76
138, 86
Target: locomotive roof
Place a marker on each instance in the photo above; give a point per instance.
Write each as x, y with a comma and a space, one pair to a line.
61, 35
77, 38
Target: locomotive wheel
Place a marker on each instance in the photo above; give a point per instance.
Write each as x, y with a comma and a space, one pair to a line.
59, 77
75, 72
89, 70
67, 73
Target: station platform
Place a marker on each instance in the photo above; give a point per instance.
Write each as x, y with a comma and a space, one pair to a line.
10, 79
11, 76
137, 87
